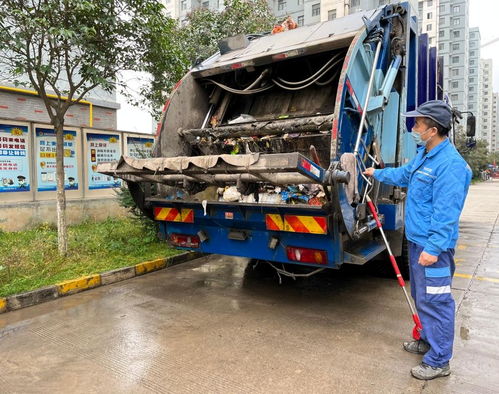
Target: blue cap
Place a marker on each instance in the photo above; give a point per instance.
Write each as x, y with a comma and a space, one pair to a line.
437, 110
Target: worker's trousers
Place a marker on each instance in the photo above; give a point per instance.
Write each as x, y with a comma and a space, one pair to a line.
431, 290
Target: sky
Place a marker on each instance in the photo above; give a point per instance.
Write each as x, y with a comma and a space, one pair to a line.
483, 13
129, 117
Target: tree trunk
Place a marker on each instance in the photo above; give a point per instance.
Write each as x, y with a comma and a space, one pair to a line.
62, 236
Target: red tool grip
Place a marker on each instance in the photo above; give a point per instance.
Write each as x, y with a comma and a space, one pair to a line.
375, 214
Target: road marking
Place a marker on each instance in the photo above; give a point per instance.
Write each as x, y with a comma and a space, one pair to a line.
458, 260
462, 246
468, 276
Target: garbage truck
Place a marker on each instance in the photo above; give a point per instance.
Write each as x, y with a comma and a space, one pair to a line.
260, 149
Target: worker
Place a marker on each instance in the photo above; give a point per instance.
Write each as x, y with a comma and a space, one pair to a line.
437, 182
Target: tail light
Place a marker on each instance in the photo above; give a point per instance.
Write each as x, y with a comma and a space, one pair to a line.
305, 255
184, 241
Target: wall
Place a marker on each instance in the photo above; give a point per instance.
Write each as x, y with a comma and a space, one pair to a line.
26, 107
27, 171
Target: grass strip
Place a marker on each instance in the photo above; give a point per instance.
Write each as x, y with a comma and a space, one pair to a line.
29, 259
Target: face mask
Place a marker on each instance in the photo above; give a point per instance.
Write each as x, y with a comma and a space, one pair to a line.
418, 139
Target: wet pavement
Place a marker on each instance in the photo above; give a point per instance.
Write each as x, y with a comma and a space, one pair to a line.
217, 324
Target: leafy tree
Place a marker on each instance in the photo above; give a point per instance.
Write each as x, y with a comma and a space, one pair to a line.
205, 28
70, 47
477, 157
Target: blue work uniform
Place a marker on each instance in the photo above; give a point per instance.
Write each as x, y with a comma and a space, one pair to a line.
437, 184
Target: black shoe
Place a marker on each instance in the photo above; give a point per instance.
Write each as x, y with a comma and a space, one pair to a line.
417, 347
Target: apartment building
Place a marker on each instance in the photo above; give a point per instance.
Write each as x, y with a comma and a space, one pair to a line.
486, 102
452, 46
494, 135
474, 74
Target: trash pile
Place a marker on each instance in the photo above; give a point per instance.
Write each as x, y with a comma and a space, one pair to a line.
294, 194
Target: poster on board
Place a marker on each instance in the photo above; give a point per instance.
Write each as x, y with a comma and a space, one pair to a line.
45, 145
14, 158
102, 148
139, 147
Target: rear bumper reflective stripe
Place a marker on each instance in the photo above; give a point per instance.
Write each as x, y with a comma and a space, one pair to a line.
296, 223
174, 215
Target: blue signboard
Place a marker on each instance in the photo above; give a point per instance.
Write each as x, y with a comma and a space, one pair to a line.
46, 156
102, 148
14, 158
139, 147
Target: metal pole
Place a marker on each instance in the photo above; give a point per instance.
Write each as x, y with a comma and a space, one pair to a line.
366, 101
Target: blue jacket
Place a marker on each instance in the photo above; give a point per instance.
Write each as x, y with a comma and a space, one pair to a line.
437, 184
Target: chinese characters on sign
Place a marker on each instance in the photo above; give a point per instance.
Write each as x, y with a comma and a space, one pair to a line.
14, 159
102, 148
45, 160
140, 148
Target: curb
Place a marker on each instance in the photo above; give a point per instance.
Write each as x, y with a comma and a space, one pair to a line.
73, 286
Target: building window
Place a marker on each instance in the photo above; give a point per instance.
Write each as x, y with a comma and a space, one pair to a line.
471, 80
205, 4
455, 59
381, 2
441, 20
300, 20
486, 86
281, 5
472, 62
471, 98
485, 99
455, 72
331, 14
441, 33
472, 53
430, 40
441, 46
428, 15
429, 3
455, 46
456, 9
456, 21
456, 33
316, 9
455, 85
354, 3
442, 8
472, 71
472, 35
428, 27
472, 88
454, 97
183, 5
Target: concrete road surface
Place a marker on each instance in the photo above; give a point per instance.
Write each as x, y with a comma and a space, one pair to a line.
217, 325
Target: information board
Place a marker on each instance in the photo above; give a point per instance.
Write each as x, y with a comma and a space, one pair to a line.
45, 144
139, 147
102, 148
14, 158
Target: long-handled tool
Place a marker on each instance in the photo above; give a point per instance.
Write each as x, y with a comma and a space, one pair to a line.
416, 331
